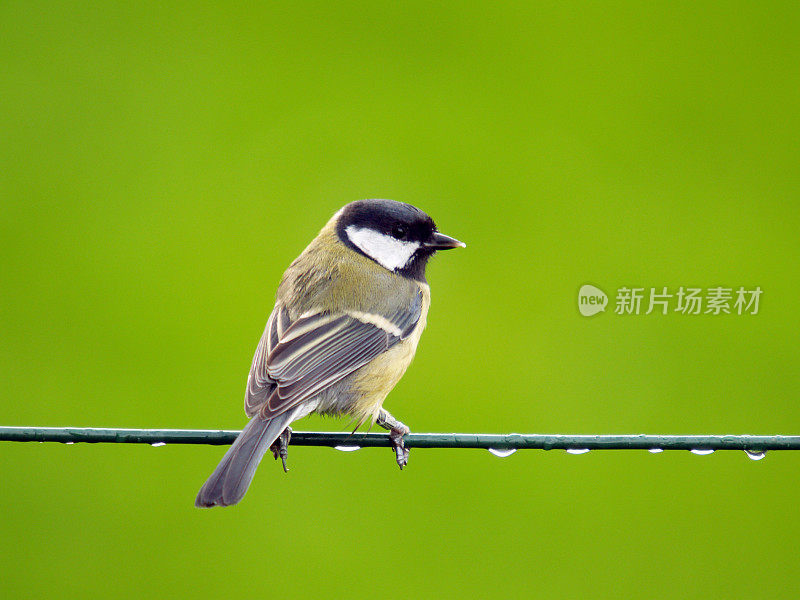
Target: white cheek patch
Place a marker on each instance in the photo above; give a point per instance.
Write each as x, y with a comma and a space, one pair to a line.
384, 249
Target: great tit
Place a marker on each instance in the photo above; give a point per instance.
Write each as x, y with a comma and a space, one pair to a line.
347, 319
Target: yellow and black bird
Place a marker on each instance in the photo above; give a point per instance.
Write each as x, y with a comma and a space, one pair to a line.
347, 319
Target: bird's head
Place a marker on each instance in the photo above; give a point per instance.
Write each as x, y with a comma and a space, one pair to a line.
397, 236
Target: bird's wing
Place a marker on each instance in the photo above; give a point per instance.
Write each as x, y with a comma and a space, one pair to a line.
296, 360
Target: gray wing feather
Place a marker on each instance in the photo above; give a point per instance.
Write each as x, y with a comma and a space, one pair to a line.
407, 318
337, 366
259, 384
295, 361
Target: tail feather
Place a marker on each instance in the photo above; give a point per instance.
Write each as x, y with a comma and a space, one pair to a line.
230, 480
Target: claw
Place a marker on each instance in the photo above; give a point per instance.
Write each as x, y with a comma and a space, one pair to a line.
396, 432
400, 450
280, 447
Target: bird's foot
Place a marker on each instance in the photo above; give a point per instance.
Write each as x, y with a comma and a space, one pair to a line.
280, 447
400, 450
396, 432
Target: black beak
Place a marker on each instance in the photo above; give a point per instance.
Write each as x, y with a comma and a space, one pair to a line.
441, 241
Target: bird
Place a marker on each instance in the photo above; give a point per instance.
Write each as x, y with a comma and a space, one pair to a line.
348, 316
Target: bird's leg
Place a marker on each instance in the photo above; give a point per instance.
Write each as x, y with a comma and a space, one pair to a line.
280, 447
396, 432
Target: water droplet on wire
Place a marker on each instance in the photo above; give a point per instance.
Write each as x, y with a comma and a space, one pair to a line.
755, 454
655, 450
158, 444
577, 450
701, 451
347, 448
502, 453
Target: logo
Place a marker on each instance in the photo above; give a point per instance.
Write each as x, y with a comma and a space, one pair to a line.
684, 300
591, 300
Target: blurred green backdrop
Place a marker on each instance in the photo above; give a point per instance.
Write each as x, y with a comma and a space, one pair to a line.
162, 163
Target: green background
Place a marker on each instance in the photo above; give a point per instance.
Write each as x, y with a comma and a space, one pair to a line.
162, 163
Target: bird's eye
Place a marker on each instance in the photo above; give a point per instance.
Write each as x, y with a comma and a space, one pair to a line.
399, 231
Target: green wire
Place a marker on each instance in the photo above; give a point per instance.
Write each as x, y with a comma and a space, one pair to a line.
511, 441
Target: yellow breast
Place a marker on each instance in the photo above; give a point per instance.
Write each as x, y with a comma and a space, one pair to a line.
373, 382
